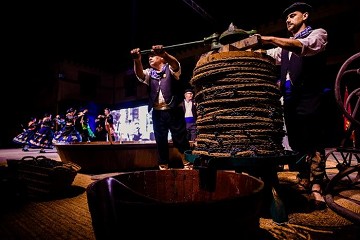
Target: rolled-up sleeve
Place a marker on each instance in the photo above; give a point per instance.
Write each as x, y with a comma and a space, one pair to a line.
176, 74
147, 76
316, 42
275, 53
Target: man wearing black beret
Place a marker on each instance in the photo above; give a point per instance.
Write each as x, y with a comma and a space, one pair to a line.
302, 59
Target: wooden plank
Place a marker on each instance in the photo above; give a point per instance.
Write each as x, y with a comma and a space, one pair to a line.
243, 44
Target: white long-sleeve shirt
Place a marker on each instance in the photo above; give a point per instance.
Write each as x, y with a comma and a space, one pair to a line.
311, 45
314, 43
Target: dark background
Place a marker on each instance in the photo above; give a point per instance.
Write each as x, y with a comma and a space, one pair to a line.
101, 34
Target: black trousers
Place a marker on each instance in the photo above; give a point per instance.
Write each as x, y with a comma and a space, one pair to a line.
305, 136
169, 120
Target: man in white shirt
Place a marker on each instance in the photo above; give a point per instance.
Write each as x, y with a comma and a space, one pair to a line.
189, 107
303, 61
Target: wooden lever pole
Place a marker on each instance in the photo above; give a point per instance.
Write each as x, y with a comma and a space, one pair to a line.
213, 39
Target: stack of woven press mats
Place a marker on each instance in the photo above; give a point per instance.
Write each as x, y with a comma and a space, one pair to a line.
239, 108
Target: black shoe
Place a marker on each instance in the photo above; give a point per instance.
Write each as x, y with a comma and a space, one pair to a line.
318, 205
42, 151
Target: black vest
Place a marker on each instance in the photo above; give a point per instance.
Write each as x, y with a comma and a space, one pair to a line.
169, 86
307, 77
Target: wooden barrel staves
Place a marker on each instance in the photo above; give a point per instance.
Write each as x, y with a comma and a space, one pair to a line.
239, 108
157, 201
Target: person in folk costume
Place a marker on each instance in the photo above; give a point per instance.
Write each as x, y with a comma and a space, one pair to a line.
165, 96
83, 126
44, 136
108, 121
59, 123
189, 107
24, 137
68, 134
303, 60
100, 131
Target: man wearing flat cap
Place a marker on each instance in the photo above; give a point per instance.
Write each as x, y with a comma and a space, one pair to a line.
189, 108
302, 59
297, 6
162, 77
